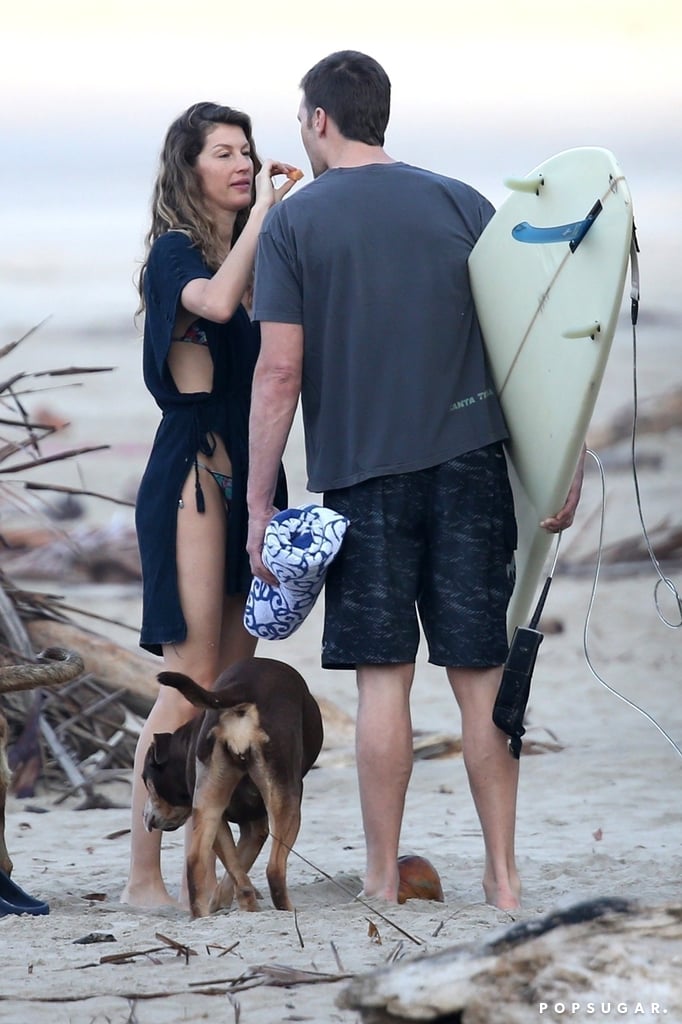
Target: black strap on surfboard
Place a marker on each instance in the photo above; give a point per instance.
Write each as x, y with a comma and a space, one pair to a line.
634, 277
512, 697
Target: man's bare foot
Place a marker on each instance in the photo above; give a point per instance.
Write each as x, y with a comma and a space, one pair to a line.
503, 896
381, 887
378, 895
148, 895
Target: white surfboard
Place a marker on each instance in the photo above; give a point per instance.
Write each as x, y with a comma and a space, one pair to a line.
547, 276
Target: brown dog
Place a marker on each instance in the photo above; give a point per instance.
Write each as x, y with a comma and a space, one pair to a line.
243, 761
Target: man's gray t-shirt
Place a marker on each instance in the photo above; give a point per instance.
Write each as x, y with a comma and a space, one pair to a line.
372, 262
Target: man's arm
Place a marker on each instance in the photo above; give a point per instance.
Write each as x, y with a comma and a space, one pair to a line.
274, 397
564, 518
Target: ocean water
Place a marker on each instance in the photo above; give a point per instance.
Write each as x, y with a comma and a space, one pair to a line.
73, 229
77, 201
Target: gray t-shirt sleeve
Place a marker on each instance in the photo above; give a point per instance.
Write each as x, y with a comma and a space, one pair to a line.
278, 295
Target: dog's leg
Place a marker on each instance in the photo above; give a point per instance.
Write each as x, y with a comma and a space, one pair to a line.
198, 886
214, 787
251, 841
223, 846
252, 836
282, 799
285, 822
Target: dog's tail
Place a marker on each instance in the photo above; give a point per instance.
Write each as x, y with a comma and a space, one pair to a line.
190, 690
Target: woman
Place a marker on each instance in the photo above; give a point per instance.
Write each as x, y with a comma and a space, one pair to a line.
200, 347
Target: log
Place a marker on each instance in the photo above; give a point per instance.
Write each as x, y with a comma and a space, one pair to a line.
660, 414
101, 554
602, 956
134, 675
115, 667
15, 630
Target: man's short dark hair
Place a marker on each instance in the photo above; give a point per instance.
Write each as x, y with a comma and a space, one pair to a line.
355, 92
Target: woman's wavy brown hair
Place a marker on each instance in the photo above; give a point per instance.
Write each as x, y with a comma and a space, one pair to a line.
177, 201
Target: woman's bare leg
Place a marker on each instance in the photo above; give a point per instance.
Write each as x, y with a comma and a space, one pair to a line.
201, 540
145, 886
493, 779
236, 642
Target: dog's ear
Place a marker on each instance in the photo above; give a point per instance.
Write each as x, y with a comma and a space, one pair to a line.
160, 748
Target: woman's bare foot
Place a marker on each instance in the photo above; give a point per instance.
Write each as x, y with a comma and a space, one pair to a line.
148, 895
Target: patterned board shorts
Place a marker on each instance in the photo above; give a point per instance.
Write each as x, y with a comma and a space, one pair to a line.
434, 546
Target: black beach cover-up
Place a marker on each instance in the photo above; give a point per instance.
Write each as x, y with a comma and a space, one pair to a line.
187, 422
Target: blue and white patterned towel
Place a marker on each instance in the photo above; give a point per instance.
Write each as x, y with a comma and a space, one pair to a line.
300, 544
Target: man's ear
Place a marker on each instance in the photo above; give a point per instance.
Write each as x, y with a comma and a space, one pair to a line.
320, 121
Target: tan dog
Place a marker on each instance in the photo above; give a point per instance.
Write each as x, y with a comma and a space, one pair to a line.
54, 666
242, 761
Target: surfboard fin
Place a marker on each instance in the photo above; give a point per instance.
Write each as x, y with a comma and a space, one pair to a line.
532, 184
588, 331
572, 233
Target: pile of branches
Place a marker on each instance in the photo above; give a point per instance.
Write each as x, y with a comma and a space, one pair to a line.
79, 736
82, 734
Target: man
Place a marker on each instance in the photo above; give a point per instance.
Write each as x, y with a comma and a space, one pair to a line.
363, 295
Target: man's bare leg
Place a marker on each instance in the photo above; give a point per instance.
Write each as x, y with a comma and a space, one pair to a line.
493, 779
384, 765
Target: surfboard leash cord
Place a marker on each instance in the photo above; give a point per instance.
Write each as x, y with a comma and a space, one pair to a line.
586, 628
662, 579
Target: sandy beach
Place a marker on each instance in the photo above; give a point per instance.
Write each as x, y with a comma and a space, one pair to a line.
598, 815
599, 794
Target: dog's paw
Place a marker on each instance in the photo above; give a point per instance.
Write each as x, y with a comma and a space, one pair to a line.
247, 898
223, 895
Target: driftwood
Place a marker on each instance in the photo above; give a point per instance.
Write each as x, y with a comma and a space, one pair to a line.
597, 959
92, 725
630, 555
53, 667
100, 716
655, 416
14, 628
131, 675
81, 554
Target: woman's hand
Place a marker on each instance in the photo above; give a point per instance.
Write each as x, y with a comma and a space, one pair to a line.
266, 192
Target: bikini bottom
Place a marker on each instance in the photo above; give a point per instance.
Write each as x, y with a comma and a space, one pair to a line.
223, 481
